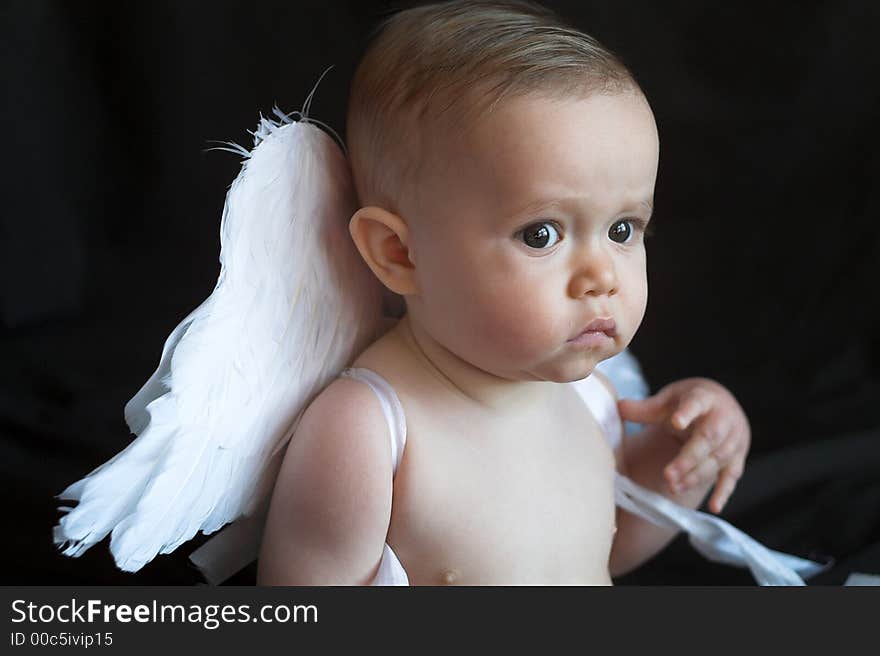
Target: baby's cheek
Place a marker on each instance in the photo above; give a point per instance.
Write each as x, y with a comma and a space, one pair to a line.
636, 302
495, 314
516, 326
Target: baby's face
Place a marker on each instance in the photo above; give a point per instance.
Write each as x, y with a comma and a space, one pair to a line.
531, 228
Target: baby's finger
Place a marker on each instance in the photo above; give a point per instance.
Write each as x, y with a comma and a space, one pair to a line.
695, 404
705, 471
725, 486
706, 436
691, 455
651, 410
728, 448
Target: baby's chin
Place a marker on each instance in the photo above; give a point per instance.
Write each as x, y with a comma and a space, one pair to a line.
570, 369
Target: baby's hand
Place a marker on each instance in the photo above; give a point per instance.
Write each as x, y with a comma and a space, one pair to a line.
706, 417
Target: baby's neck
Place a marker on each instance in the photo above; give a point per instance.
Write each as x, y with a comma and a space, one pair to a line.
465, 379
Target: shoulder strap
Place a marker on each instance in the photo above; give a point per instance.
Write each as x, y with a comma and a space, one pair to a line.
391, 408
602, 405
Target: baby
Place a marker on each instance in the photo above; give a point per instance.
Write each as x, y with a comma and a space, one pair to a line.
505, 167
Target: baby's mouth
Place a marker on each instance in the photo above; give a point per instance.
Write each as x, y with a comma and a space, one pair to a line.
596, 331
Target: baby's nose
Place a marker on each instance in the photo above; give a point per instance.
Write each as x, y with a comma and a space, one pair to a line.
595, 275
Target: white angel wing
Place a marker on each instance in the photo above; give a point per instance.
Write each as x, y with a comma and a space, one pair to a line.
294, 303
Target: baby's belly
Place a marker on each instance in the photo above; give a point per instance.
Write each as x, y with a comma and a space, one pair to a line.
536, 518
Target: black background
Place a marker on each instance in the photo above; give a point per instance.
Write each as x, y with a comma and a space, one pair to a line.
762, 270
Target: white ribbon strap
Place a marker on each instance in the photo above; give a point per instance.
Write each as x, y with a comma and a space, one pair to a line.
713, 537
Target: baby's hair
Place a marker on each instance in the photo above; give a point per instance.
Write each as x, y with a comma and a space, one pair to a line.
431, 70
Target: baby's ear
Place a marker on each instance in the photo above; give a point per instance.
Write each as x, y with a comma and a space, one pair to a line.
382, 238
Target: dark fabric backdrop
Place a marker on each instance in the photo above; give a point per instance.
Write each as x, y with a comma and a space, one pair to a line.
762, 271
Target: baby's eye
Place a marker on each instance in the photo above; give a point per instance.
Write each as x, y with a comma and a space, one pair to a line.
540, 235
621, 231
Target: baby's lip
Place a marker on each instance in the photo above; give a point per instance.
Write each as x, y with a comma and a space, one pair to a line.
600, 325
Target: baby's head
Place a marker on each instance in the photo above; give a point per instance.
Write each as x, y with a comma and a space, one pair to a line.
505, 165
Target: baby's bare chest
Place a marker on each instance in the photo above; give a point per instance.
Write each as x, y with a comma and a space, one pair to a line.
501, 502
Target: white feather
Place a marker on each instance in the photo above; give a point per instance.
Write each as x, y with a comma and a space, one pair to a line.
293, 305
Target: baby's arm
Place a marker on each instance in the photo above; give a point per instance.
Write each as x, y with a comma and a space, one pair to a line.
642, 458
636, 540
704, 417
331, 505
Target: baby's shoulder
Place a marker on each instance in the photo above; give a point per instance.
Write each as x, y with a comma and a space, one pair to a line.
332, 500
340, 449
344, 411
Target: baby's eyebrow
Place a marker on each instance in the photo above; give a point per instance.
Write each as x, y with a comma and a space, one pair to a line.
545, 204
550, 204
539, 206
